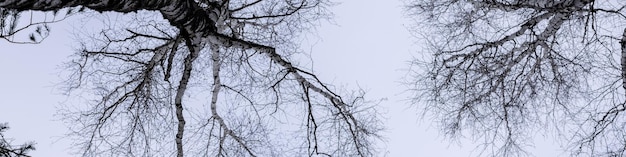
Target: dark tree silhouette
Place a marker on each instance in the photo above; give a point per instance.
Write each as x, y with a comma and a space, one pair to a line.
501, 70
9, 150
259, 103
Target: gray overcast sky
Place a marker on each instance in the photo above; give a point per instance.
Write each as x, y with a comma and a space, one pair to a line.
369, 48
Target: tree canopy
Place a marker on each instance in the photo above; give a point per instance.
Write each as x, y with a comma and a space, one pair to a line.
236, 52
503, 70
217, 77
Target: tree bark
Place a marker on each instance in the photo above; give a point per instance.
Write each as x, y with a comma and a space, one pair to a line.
180, 13
623, 61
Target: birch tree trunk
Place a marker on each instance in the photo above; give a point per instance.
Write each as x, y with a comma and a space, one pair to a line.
180, 13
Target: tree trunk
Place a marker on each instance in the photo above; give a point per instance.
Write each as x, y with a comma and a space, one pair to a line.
180, 13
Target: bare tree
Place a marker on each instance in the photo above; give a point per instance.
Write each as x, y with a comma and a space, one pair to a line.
9, 150
501, 70
144, 73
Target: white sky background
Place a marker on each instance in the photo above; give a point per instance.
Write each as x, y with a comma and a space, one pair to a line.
368, 48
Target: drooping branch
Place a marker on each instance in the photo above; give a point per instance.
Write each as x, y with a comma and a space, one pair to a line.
316, 86
10, 19
134, 94
217, 85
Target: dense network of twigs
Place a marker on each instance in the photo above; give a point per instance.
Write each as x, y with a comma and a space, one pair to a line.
502, 69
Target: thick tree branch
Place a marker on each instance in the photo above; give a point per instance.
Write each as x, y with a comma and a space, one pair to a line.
217, 85
185, 13
623, 60
194, 51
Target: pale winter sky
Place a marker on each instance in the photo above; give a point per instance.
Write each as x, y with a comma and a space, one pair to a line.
369, 48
